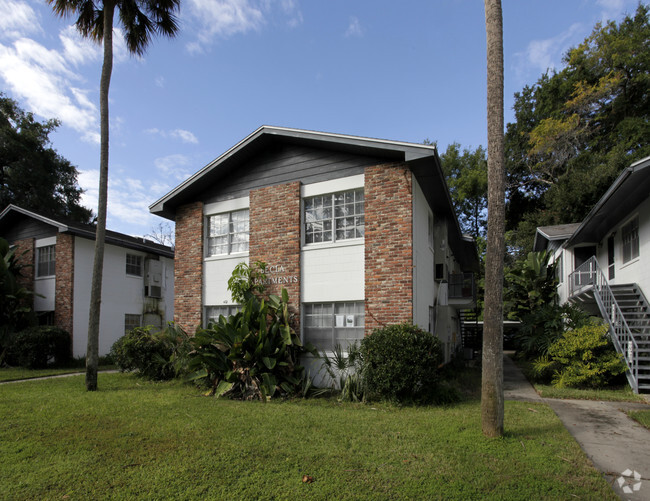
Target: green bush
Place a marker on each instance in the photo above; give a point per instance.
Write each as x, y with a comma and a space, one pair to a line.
36, 347
582, 358
401, 363
149, 352
252, 355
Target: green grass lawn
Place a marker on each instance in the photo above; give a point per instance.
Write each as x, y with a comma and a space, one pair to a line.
17, 373
139, 440
642, 417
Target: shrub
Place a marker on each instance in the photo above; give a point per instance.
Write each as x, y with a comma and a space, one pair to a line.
582, 358
400, 363
36, 347
149, 352
252, 355
345, 369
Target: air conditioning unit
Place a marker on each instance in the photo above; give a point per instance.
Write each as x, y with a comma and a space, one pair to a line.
441, 272
153, 278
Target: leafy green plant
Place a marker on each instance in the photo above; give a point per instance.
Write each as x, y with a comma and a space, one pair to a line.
37, 347
245, 280
151, 353
401, 363
345, 370
252, 355
582, 358
530, 285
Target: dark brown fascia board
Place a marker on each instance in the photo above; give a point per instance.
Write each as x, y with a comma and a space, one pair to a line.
401, 151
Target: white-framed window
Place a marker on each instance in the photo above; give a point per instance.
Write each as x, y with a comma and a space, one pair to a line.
334, 217
134, 265
45, 261
327, 324
212, 313
430, 228
630, 236
131, 321
559, 268
228, 233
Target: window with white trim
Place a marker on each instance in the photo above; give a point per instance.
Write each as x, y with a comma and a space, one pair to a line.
327, 324
131, 321
228, 233
630, 236
334, 217
212, 313
134, 265
45, 261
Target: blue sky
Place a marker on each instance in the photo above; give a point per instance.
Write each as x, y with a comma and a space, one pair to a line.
408, 71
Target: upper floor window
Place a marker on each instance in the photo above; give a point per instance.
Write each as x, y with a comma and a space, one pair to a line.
334, 217
228, 233
45, 261
630, 235
134, 265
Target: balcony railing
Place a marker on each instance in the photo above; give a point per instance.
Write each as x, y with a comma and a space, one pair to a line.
461, 286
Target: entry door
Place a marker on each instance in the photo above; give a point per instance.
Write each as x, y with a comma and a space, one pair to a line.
581, 255
610, 258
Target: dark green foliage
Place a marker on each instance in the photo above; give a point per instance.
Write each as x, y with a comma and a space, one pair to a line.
252, 355
149, 352
582, 358
37, 347
32, 174
530, 284
400, 363
345, 370
15, 300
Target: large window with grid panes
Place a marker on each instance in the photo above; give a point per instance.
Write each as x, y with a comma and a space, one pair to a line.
228, 233
326, 325
45, 261
334, 217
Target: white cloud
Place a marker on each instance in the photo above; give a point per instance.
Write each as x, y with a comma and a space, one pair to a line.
77, 49
17, 19
160, 82
543, 55
354, 28
43, 80
173, 167
183, 135
222, 18
292, 11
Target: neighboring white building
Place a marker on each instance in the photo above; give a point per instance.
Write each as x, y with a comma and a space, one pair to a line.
137, 287
604, 265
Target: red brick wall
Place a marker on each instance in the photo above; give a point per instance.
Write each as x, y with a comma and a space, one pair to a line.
388, 245
275, 237
25, 256
188, 266
64, 283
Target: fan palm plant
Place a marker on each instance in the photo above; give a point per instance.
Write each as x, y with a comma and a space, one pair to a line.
140, 20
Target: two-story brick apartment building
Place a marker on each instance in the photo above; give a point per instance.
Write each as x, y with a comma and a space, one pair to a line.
361, 232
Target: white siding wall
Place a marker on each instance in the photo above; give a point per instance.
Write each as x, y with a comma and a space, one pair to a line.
424, 287
121, 294
216, 273
44, 288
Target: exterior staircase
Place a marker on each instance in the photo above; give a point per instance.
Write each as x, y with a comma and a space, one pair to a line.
625, 309
636, 311
471, 331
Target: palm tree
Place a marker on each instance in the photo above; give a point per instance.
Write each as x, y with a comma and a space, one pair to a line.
140, 19
492, 380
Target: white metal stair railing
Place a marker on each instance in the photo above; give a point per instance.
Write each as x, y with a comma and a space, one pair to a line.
589, 275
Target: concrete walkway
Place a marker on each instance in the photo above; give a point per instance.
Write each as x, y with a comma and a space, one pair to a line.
615, 443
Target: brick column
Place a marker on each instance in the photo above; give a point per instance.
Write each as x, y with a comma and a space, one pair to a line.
388, 245
64, 282
188, 267
275, 237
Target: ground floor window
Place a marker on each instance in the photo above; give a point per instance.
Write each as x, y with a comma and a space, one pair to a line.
212, 313
327, 324
131, 321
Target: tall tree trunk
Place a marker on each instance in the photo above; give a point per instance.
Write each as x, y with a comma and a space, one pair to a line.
92, 352
492, 381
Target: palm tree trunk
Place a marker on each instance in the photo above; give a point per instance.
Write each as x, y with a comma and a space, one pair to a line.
492, 380
92, 352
